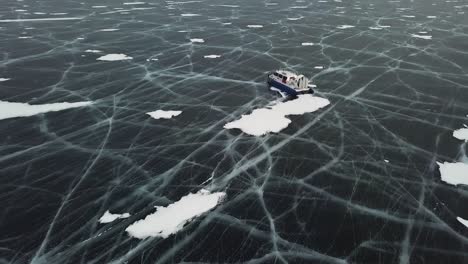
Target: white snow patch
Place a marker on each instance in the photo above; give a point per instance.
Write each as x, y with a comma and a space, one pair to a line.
109, 29
254, 26
211, 56
431, 17
408, 16
92, 51
344, 26
189, 15
171, 219
386, 160
461, 134
294, 18
197, 40
273, 119
108, 217
307, 44
25, 37
421, 36
375, 28
11, 109
463, 221
114, 57
98, 6
4, 79
454, 173
318, 67
134, 3
158, 114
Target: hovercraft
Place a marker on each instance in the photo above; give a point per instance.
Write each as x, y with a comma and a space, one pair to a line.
288, 83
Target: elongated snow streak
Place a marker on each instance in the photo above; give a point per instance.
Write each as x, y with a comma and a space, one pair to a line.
454, 173
40, 19
161, 114
273, 119
108, 217
171, 219
11, 110
463, 221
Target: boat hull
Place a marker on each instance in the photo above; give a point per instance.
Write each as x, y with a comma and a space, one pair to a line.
286, 89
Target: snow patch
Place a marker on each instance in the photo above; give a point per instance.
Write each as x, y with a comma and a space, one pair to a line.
273, 119
461, 134
307, 44
158, 114
11, 109
114, 57
421, 36
211, 56
171, 219
92, 51
108, 217
197, 40
463, 221
109, 29
454, 173
189, 15
344, 26
4, 79
254, 26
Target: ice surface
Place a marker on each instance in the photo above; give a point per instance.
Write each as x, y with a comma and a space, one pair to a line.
266, 120
11, 109
39, 19
114, 57
454, 173
171, 219
161, 114
109, 217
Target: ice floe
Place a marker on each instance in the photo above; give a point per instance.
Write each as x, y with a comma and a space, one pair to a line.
114, 57
4, 79
134, 3
421, 36
213, 56
454, 173
197, 40
461, 134
189, 15
254, 26
12, 109
273, 119
171, 219
92, 51
344, 26
158, 114
307, 44
108, 217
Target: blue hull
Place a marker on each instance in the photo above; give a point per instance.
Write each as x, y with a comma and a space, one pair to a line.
282, 87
